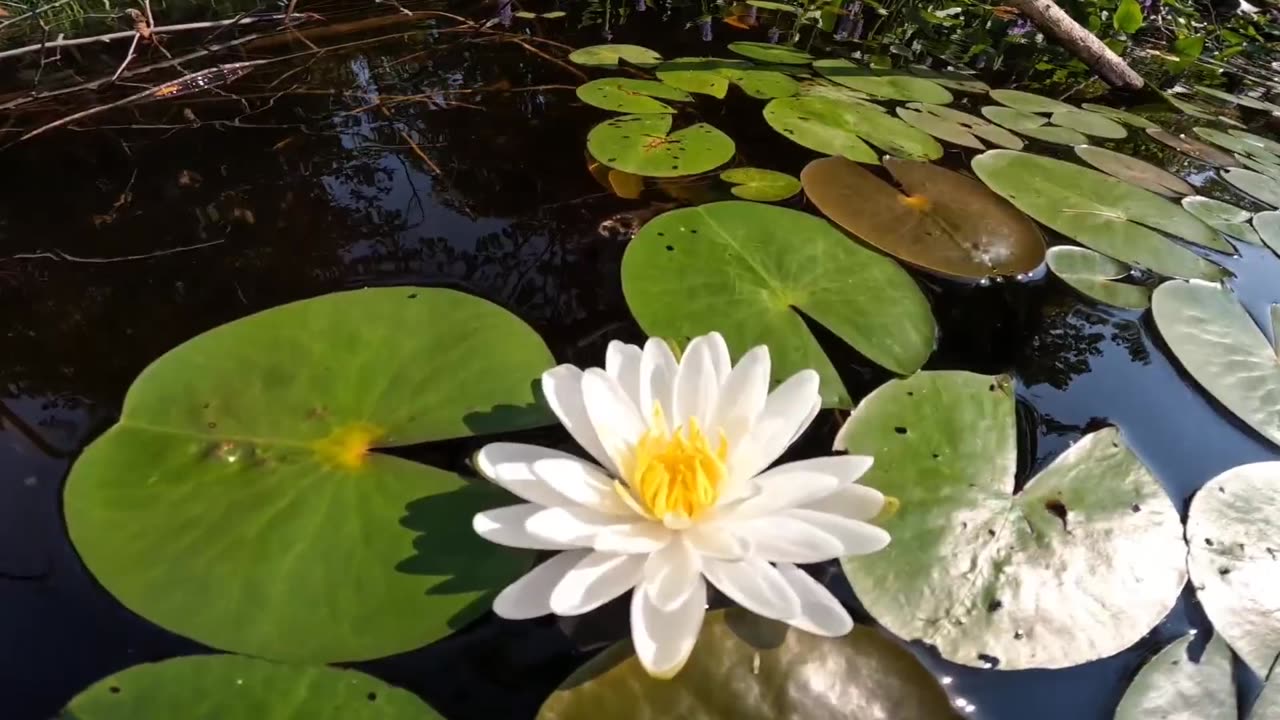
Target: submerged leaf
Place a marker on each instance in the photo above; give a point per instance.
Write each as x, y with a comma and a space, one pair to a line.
628, 95
1193, 148
1089, 123
838, 127
1225, 217
770, 53
761, 185
1258, 186
1172, 687
1135, 171
888, 84
644, 145
1029, 102
1093, 274
607, 56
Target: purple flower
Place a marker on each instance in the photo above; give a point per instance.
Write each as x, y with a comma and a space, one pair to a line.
704, 24
504, 12
1021, 27
843, 28
640, 6
774, 34
751, 14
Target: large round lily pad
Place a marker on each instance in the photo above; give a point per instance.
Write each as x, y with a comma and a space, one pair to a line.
760, 184
1094, 275
1225, 217
888, 84
1268, 226
1101, 212
1119, 115
770, 53
607, 56
629, 95
1234, 143
959, 127
644, 145
1029, 102
941, 220
745, 269
838, 127
746, 667
1135, 171
1233, 529
1255, 184
1216, 340
1173, 687
1089, 123
236, 500
231, 687
979, 570
1193, 148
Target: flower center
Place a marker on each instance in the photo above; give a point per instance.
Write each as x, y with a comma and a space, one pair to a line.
678, 473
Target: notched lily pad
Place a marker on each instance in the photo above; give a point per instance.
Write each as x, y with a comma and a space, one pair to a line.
1094, 275
607, 56
838, 127
761, 185
1135, 171
1193, 148
644, 145
1089, 123
770, 53
941, 221
1254, 184
629, 95
1029, 102
1225, 217
888, 84
1171, 686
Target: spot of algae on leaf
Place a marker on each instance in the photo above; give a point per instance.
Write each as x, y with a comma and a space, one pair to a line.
347, 446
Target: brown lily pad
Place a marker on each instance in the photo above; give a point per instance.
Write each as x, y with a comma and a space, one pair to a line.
940, 221
1135, 171
1194, 148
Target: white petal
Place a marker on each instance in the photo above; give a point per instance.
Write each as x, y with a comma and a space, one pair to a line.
670, 574
719, 350
852, 501
808, 420
801, 488
778, 538
594, 581
530, 596
573, 525
664, 640
820, 613
638, 538
507, 526
855, 537
617, 423
697, 386
657, 378
786, 414
622, 362
844, 468
582, 483
742, 395
715, 541
562, 387
511, 466
755, 585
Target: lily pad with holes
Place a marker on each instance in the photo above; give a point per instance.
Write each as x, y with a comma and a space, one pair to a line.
1193, 148
1233, 530
1225, 217
760, 184
1089, 123
240, 469
1172, 686
1135, 171
1236, 144
888, 84
1012, 119
1267, 144
1102, 213
1029, 102
747, 667
838, 127
1094, 275
977, 128
1124, 116
1219, 344
644, 145
749, 270
232, 687
1268, 226
607, 56
629, 95
1261, 187
975, 568
941, 220
770, 53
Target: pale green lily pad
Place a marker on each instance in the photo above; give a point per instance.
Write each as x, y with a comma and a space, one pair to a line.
769, 5
1029, 102
1089, 123
940, 128
1173, 687
1193, 148
1268, 226
1236, 144
231, 687
1267, 144
1124, 116
745, 269
976, 569
973, 126
836, 91
838, 127
607, 56
1254, 184
1102, 213
629, 95
770, 53
1267, 706
762, 84
1094, 275
746, 667
1227, 218
1271, 171
1233, 529
1244, 100
760, 184
1054, 134
888, 84
712, 76
644, 145
1135, 171
239, 471
1214, 338
951, 79
1012, 119
1197, 110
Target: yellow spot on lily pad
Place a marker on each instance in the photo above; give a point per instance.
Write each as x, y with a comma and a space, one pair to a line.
891, 505
347, 446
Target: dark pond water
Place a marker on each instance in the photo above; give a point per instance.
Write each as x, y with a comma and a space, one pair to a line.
299, 184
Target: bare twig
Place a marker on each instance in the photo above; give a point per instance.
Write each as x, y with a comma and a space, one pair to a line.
59, 255
575, 71
129, 33
128, 56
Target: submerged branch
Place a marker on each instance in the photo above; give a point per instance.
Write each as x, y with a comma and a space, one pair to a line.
60, 43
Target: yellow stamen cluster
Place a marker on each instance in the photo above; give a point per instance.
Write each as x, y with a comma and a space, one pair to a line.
677, 473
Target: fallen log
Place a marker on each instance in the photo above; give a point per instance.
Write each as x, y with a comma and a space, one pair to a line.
1056, 23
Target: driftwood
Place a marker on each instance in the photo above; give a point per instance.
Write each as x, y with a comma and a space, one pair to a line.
1055, 23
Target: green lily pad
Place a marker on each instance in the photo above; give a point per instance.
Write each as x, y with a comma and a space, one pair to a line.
1173, 687
940, 128
644, 145
941, 221
1267, 706
1236, 144
1232, 530
1268, 226
1214, 338
1054, 134
1225, 217
1193, 148
1135, 171
761, 185
1012, 119
1196, 110
607, 56
749, 668
1256, 185
1029, 102
951, 79
231, 687
745, 269
1094, 274
1267, 144
1089, 123
836, 91
1102, 213
239, 471
1271, 171
888, 84
975, 568
1118, 115
976, 127
711, 76
762, 84
838, 127
770, 53
628, 95
1244, 100
769, 5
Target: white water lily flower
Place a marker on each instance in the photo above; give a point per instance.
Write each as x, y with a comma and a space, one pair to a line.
680, 494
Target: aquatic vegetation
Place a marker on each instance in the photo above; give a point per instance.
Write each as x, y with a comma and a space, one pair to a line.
1193, 148
1237, 144
629, 95
1254, 184
1172, 685
1089, 123
957, 127
608, 56
1268, 226
1123, 116
1029, 102
770, 53
1225, 217
645, 145
1094, 275
1135, 171
841, 127
761, 185
883, 84
680, 495
712, 76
